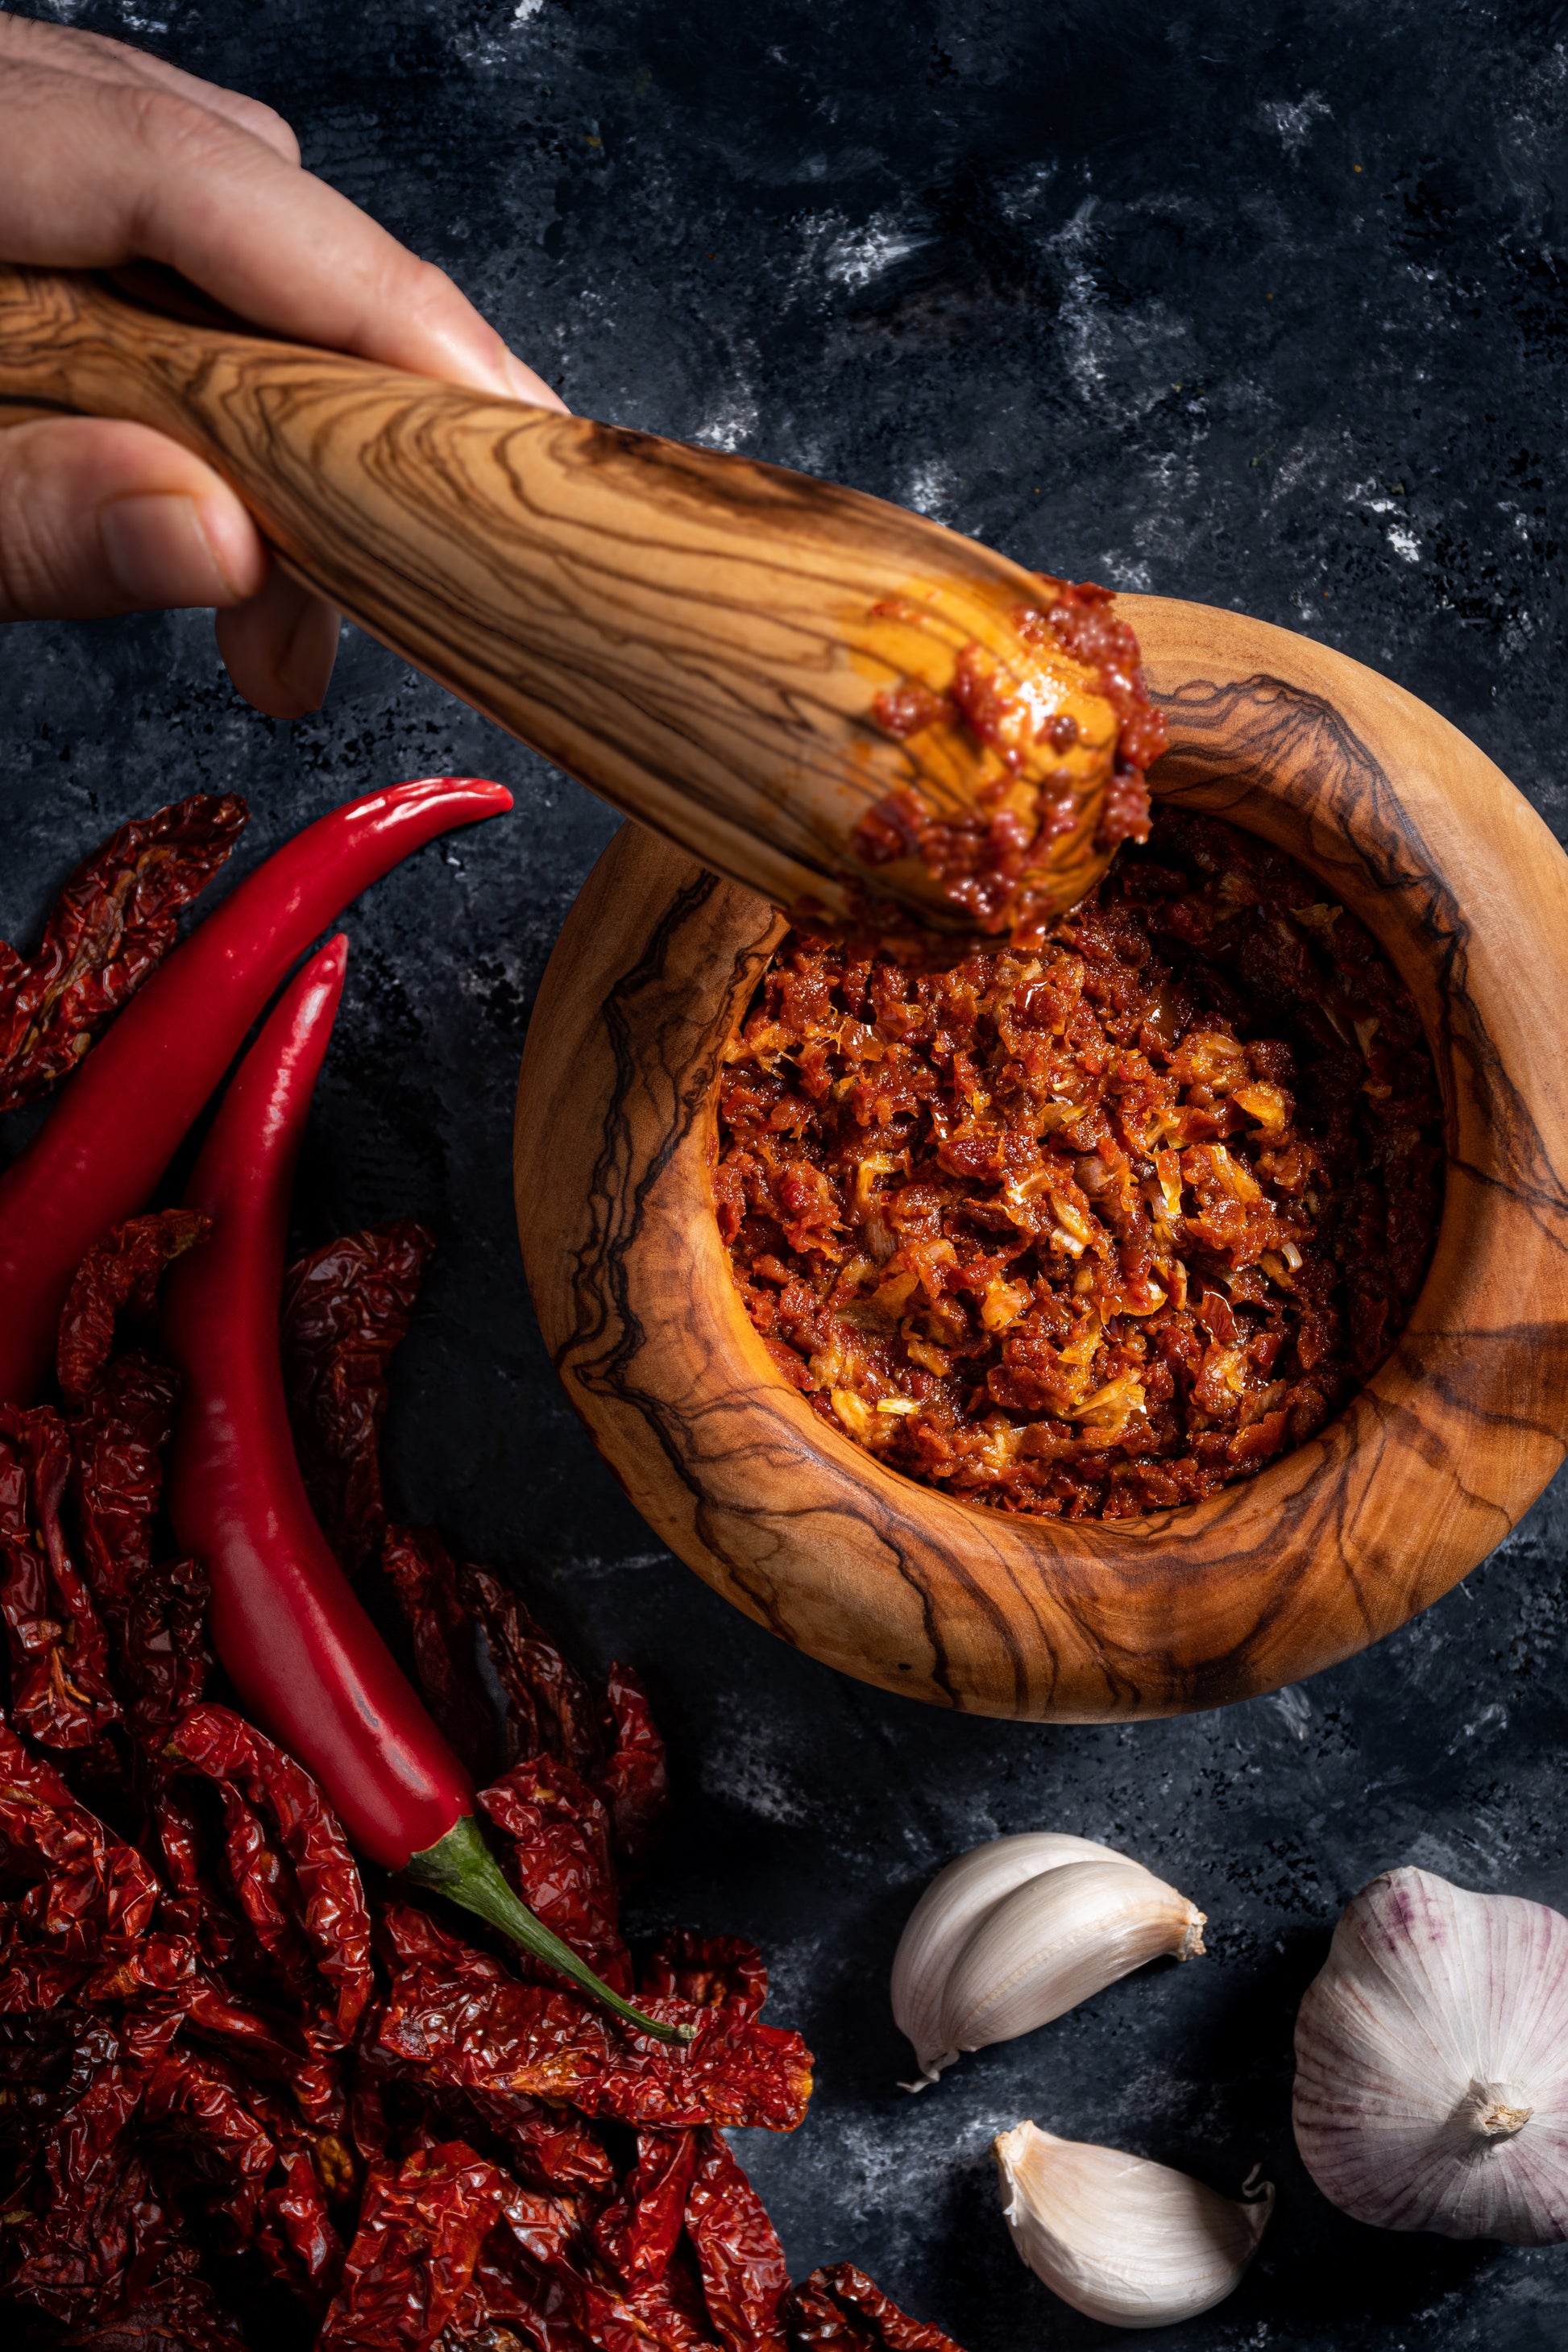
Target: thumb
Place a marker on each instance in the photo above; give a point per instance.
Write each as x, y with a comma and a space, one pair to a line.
99, 517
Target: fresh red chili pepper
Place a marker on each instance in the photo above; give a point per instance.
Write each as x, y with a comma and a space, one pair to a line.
298, 1646
113, 921
345, 1310
115, 1128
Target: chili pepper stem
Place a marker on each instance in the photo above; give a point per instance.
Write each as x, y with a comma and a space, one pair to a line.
461, 1866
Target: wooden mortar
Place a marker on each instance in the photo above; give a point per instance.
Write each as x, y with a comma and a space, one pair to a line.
1327, 1549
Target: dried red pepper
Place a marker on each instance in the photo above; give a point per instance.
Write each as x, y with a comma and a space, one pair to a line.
424, 1576
77, 1890
469, 2023
60, 1693
345, 1310
408, 2275
320, 1923
112, 922
744, 2275
557, 1856
713, 1971
634, 1780
841, 2310
549, 1705
121, 1271
639, 2233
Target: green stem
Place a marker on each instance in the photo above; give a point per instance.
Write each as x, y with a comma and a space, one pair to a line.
461, 1866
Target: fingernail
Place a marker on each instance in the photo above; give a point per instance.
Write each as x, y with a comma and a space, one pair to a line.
157, 554
526, 386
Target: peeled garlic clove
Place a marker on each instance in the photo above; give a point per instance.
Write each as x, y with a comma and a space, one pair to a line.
1053, 1942
941, 1922
1125, 2241
1432, 2062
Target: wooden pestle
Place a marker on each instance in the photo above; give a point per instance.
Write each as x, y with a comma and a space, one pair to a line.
697, 637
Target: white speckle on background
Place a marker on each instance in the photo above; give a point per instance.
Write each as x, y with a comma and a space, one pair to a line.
1291, 122
733, 424
1296, 1707
858, 255
1404, 541
932, 489
744, 1771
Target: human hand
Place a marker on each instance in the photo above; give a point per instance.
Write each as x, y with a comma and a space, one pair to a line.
112, 157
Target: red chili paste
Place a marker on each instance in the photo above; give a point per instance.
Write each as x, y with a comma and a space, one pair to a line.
982, 859
1098, 1227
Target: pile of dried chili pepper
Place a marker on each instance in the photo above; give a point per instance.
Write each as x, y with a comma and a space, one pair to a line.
1095, 1227
247, 2098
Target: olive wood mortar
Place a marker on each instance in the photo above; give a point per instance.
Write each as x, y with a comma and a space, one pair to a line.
1327, 1549
696, 636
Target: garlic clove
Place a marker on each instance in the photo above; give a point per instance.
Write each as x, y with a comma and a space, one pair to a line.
1131, 2242
1053, 1942
1432, 2062
941, 1923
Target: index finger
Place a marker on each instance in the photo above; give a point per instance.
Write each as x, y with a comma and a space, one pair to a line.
101, 172
96, 57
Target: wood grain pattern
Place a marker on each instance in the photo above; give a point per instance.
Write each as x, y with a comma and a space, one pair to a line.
1330, 1547
696, 636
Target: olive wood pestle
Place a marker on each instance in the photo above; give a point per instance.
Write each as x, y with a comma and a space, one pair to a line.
699, 638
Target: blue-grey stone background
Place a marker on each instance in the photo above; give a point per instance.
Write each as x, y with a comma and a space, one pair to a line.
1262, 304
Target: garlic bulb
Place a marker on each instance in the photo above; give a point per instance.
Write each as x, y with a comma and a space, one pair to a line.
1125, 2241
1432, 2062
1018, 1931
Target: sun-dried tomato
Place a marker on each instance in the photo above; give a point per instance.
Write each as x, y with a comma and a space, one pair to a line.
713, 1971
345, 1310
424, 1576
61, 1693
738, 2252
120, 1273
112, 924
466, 2018
841, 2310
299, 1885
639, 2233
557, 1856
408, 2275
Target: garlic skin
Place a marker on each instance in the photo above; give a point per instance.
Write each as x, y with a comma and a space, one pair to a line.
1020, 1930
1432, 2062
1123, 2239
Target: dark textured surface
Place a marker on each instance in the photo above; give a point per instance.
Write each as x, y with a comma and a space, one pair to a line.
1262, 305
